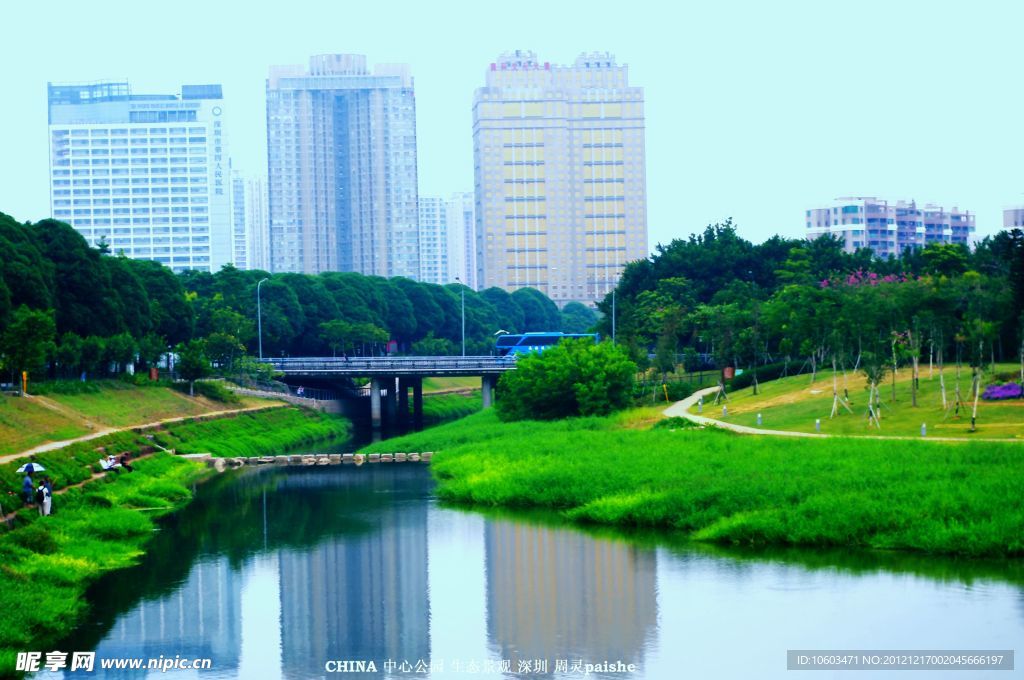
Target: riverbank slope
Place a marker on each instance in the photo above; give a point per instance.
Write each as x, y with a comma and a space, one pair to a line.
935, 497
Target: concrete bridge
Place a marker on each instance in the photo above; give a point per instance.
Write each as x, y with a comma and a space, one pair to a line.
392, 377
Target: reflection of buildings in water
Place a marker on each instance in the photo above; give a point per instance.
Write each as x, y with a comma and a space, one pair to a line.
559, 594
358, 597
201, 619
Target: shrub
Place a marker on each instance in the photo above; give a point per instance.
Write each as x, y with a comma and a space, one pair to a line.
573, 378
212, 390
674, 423
1007, 391
35, 538
66, 387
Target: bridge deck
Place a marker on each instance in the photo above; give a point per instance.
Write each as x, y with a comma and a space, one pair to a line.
392, 366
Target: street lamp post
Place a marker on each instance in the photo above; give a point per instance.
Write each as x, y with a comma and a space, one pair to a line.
462, 293
259, 316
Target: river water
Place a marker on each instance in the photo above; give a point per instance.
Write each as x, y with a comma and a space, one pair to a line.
279, 573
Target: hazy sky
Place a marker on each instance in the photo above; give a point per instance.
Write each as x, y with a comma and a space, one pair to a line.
755, 110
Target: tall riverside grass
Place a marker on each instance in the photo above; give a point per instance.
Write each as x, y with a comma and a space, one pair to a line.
935, 497
254, 434
440, 408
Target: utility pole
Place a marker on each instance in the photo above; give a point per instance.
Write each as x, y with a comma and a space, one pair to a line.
613, 316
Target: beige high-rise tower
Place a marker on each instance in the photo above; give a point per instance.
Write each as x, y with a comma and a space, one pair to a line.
561, 198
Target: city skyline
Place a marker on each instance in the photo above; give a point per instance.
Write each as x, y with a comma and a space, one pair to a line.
727, 135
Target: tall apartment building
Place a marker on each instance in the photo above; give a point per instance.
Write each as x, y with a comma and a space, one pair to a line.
433, 240
146, 173
249, 221
559, 174
889, 228
462, 241
1013, 218
341, 147
239, 231
257, 222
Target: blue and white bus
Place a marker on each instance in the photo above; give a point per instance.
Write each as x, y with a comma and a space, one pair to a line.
531, 343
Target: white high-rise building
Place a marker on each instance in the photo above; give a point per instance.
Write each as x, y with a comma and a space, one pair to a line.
239, 230
257, 223
147, 174
462, 241
434, 240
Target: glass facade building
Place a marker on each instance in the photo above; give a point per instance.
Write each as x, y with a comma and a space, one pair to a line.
341, 146
889, 228
560, 179
147, 174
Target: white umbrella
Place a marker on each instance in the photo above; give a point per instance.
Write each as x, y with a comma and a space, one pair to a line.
35, 467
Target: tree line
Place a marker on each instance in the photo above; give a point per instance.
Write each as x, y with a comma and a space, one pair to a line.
716, 296
67, 308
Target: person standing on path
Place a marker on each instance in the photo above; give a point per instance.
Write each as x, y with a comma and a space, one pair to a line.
48, 483
27, 488
43, 499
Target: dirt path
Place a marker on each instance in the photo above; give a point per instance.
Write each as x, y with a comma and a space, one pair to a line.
681, 409
53, 446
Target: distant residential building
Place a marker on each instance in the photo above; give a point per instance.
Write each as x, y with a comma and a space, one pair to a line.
257, 223
559, 175
462, 241
433, 240
1013, 218
341, 149
146, 173
889, 228
239, 238
249, 221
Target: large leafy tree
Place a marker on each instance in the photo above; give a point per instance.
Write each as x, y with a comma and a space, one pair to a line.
27, 340
572, 378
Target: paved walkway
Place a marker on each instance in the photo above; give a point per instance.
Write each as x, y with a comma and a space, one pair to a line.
53, 446
681, 409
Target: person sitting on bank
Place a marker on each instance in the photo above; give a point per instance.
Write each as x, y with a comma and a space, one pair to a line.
124, 462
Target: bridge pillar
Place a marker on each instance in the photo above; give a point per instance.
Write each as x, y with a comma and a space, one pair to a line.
417, 402
487, 385
375, 403
390, 383
403, 401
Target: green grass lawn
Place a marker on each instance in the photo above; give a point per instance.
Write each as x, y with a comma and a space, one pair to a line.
26, 423
937, 497
444, 384
794, 403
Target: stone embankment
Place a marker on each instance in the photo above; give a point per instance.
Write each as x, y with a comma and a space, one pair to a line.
221, 464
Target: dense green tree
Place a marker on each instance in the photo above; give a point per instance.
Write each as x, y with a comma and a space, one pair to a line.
69, 354
577, 318
575, 377
539, 312
93, 352
192, 363
27, 341
84, 303
509, 315
120, 351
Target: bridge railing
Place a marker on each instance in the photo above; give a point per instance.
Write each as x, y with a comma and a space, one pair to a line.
397, 364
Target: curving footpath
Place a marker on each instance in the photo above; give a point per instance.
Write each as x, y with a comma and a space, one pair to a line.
681, 409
